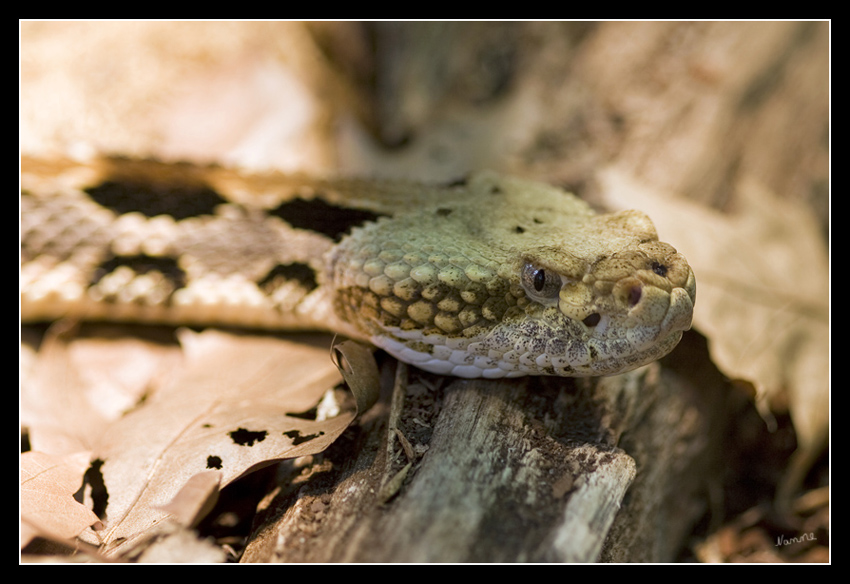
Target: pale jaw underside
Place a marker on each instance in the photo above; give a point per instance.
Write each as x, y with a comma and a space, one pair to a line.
550, 345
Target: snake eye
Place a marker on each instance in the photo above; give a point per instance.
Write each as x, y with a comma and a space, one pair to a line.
540, 284
539, 280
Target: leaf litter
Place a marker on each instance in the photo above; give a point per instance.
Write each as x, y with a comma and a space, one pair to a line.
237, 403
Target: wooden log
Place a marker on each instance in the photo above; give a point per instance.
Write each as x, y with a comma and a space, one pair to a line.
533, 470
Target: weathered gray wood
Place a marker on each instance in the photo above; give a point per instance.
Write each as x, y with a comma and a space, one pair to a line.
512, 471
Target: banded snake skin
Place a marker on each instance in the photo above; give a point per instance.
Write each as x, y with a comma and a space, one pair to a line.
496, 277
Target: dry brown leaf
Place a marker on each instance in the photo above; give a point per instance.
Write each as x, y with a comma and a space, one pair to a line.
195, 499
360, 373
77, 385
230, 410
54, 406
179, 545
762, 296
48, 507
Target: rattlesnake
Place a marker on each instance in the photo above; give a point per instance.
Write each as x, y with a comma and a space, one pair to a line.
495, 277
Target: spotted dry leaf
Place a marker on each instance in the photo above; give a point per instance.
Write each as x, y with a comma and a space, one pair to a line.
237, 404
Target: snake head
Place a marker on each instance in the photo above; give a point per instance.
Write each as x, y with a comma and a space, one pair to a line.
512, 278
615, 313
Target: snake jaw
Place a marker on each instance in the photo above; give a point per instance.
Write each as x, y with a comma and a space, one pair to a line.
543, 340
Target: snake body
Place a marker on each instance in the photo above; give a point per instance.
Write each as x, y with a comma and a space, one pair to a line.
495, 277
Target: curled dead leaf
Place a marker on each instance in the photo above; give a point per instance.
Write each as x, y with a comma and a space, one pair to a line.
358, 367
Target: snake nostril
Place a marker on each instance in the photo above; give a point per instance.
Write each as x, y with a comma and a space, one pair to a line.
635, 294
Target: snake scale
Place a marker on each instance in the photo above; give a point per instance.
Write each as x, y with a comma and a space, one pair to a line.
495, 277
